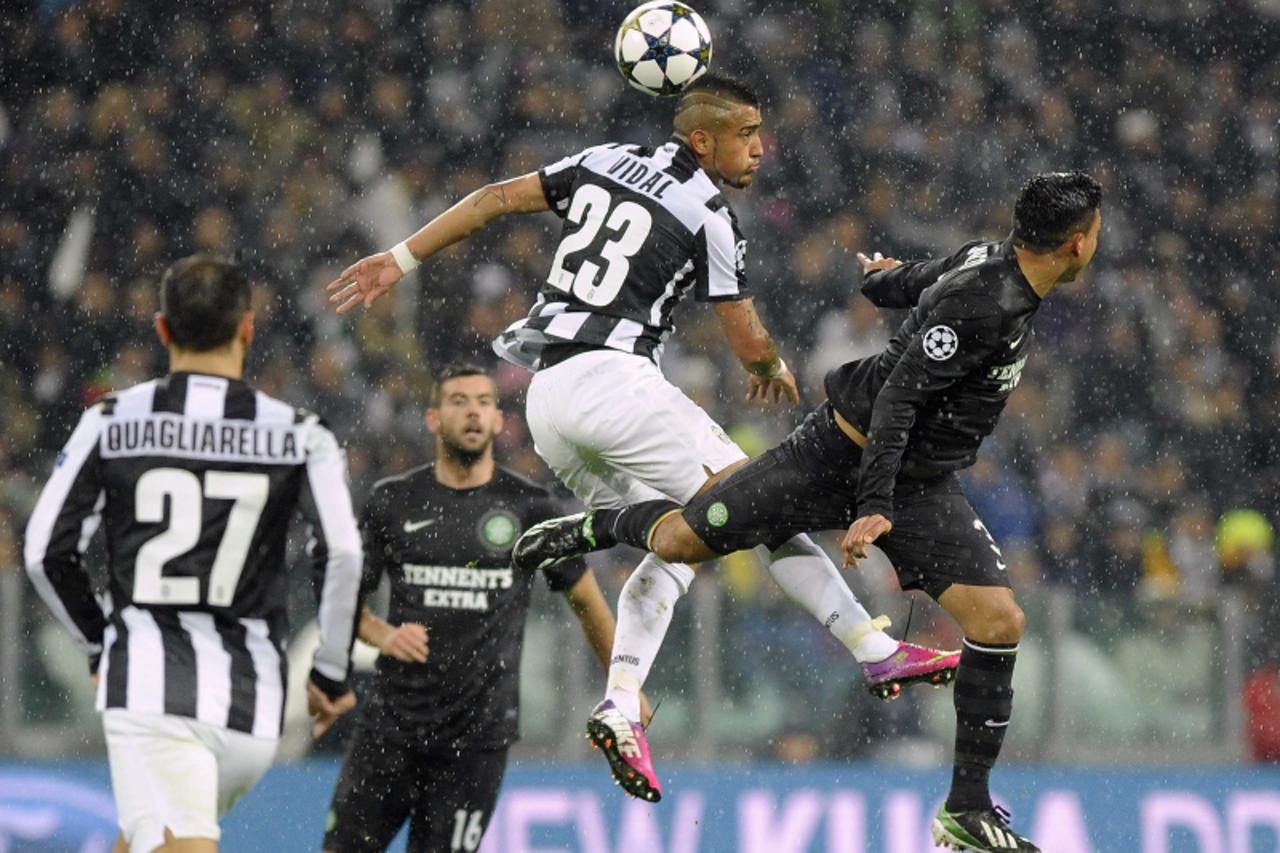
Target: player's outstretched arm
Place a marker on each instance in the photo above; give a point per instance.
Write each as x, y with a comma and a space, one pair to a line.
367, 279
598, 626
890, 283
876, 263
754, 347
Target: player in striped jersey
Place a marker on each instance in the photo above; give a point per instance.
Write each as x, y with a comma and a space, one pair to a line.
644, 227
193, 478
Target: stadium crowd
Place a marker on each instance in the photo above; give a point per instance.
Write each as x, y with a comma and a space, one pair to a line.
1141, 457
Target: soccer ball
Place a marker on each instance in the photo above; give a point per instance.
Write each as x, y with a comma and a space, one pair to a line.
662, 46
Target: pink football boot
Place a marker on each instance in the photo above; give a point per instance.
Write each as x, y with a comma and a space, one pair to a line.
908, 665
624, 744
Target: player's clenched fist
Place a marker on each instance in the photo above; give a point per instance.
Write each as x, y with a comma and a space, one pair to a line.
407, 643
862, 533
364, 281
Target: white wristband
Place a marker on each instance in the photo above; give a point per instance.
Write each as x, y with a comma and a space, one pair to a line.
779, 370
404, 258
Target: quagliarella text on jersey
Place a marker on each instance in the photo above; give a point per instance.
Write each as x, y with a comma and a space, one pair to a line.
160, 433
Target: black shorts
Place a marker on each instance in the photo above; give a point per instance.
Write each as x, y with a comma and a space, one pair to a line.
810, 482
447, 796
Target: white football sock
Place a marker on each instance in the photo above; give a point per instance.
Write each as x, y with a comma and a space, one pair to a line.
806, 573
644, 613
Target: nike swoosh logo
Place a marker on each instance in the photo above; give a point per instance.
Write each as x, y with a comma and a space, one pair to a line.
999, 565
412, 526
1014, 343
994, 725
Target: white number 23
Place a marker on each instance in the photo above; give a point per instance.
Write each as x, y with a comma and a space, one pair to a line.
591, 208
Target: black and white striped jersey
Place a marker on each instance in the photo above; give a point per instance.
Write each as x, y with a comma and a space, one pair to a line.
193, 479
642, 227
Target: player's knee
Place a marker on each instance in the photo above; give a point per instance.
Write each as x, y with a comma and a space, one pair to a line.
1004, 621
173, 844
665, 541
987, 614
1019, 620
800, 545
674, 541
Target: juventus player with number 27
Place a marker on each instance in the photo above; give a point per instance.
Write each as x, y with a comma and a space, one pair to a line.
643, 228
193, 478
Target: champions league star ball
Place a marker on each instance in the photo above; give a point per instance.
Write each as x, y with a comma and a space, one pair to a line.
662, 46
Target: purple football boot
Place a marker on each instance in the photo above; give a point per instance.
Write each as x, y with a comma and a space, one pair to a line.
627, 749
908, 665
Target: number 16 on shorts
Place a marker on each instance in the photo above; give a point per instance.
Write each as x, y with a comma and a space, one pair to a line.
468, 828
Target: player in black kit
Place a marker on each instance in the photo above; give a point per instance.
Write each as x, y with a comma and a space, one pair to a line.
881, 456
431, 743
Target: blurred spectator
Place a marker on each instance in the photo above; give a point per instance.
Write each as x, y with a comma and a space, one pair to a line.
1262, 709
1192, 554
1246, 544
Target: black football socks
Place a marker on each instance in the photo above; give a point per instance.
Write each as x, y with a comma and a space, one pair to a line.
984, 703
629, 525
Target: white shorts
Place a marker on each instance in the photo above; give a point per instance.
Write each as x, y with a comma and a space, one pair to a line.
616, 432
178, 773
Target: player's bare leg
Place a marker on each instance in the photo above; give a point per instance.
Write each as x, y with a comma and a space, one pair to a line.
993, 624
988, 614
187, 845
673, 539
171, 844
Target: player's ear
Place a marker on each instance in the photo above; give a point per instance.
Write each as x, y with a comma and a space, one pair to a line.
245, 330
701, 142
162, 330
497, 422
432, 419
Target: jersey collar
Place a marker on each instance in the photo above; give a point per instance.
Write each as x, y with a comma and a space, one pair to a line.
684, 163
1009, 255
